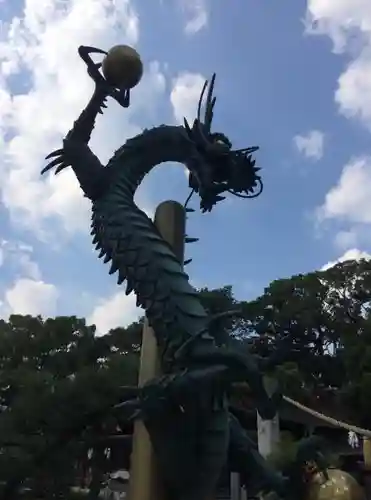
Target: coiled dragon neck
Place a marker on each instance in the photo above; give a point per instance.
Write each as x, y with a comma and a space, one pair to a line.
128, 239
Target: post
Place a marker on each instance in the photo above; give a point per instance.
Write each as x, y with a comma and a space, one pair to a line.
235, 486
144, 481
366, 442
268, 430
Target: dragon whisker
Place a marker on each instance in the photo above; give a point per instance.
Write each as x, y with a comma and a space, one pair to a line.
251, 149
200, 101
210, 103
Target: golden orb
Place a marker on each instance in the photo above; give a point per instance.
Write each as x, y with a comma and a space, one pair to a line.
122, 67
339, 486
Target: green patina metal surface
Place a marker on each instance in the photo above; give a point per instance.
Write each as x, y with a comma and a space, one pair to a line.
186, 411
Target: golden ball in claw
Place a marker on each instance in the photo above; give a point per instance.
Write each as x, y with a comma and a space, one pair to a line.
122, 67
339, 486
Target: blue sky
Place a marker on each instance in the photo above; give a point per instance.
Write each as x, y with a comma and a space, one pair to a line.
292, 77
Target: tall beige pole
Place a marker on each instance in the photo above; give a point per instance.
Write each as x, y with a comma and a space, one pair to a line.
144, 479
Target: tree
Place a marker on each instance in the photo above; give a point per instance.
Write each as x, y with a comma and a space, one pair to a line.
294, 311
59, 381
55, 375
325, 315
350, 307
219, 301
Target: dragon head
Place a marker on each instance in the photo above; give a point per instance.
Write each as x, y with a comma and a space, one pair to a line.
215, 167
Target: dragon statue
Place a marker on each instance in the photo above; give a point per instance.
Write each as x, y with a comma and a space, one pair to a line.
186, 410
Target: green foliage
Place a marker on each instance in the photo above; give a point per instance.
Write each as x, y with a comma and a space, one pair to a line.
284, 453
54, 373
326, 317
218, 301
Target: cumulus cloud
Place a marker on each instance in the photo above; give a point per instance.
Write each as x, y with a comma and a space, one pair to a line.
196, 15
117, 310
341, 21
43, 88
347, 205
184, 96
349, 200
352, 254
38, 48
353, 94
348, 24
28, 296
311, 145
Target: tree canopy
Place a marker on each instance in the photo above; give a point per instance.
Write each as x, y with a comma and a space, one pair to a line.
56, 375
58, 379
326, 316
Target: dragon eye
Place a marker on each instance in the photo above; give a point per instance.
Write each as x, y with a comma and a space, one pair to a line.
222, 143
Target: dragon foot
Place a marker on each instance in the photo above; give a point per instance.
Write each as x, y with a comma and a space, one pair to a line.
172, 394
240, 367
122, 96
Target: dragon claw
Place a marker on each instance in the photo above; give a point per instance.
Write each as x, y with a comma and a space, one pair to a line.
85, 50
93, 68
57, 152
55, 162
58, 161
60, 168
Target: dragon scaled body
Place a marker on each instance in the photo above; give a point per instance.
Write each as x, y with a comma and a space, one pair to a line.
185, 410
128, 239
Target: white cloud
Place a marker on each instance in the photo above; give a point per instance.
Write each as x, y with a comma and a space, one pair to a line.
347, 205
28, 296
352, 254
353, 94
311, 145
196, 15
185, 95
348, 24
39, 47
112, 312
17, 256
349, 200
43, 88
341, 20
